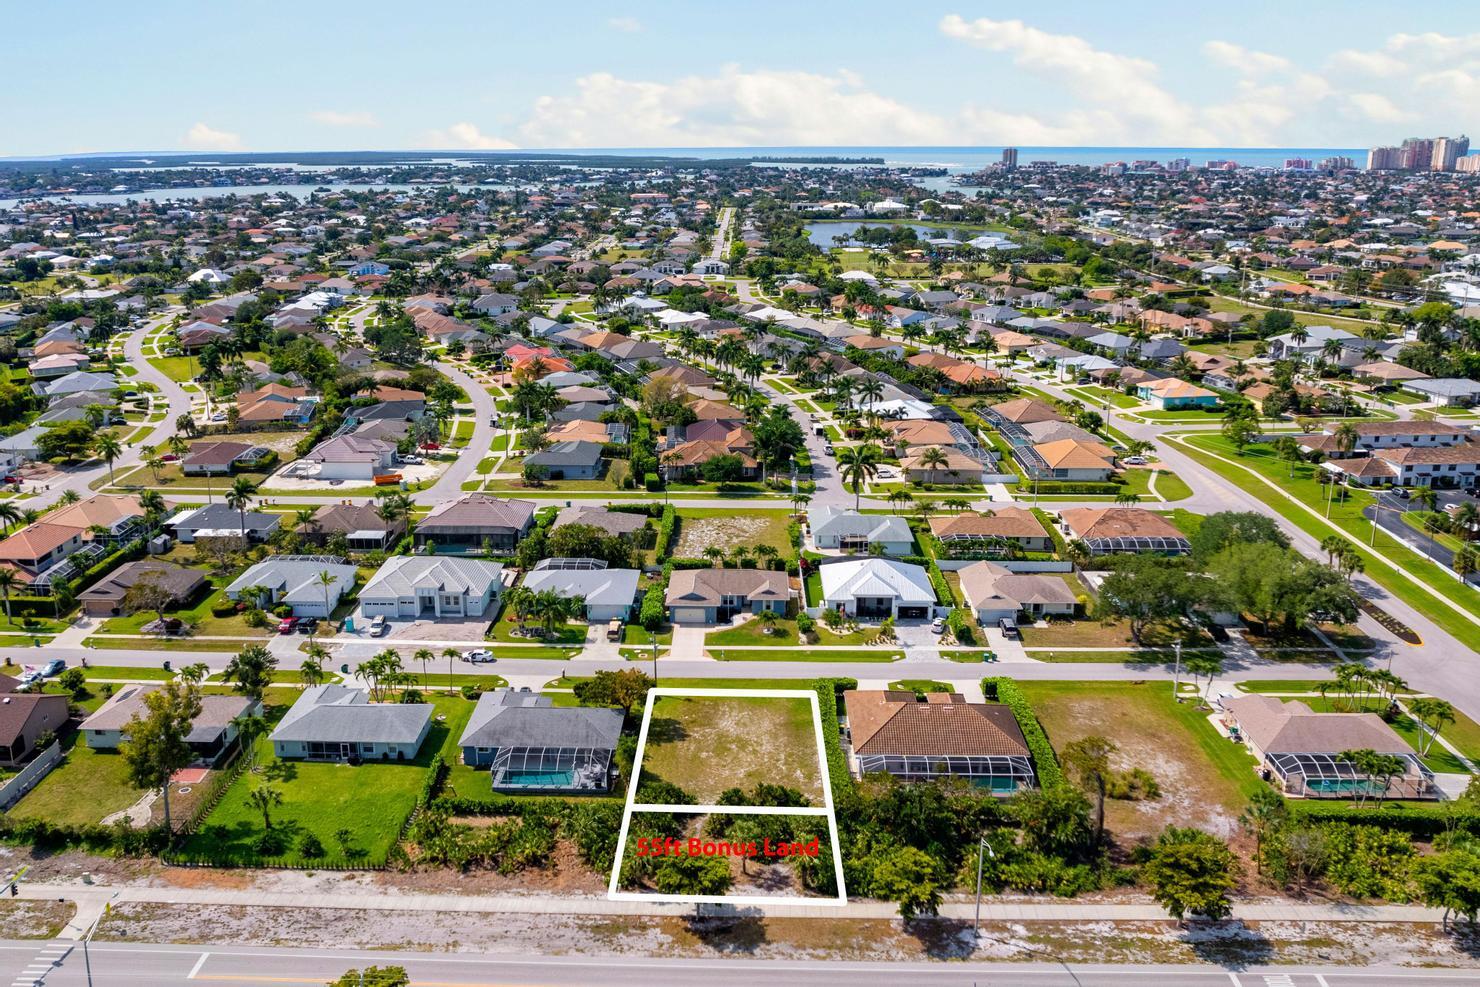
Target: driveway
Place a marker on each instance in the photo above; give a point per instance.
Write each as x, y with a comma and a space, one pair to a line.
460, 629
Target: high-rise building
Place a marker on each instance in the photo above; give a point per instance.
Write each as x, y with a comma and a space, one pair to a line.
1339, 162
1470, 163
1384, 159
1417, 154
1009, 158
1448, 150
1179, 164
1297, 164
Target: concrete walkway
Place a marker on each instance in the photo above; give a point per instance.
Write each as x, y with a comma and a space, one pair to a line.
92, 898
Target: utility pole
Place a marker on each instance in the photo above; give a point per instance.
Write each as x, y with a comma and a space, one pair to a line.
655, 656
1177, 671
982, 847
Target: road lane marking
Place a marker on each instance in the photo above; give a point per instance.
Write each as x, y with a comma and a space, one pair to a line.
198, 964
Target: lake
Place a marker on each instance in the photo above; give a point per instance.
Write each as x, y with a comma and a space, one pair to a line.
822, 233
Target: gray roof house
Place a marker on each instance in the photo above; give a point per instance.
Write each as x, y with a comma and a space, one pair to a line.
610, 594
847, 530
81, 380
220, 521
295, 580
527, 744
573, 460
338, 723
211, 736
466, 524
705, 596
612, 522
429, 586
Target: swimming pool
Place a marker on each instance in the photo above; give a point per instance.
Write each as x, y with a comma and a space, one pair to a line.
536, 779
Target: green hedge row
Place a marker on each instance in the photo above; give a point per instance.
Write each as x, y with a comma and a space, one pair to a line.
829, 694
1045, 762
666, 526
1422, 821
120, 838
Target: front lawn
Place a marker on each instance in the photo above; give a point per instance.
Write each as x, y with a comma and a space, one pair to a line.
506, 631
1070, 634
85, 788
810, 655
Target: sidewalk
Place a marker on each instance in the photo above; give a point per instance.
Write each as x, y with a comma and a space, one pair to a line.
90, 898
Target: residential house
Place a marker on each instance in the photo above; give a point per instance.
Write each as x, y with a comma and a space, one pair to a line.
1120, 530
25, 719
475, 522
1456, 391
221, 458
428, 586
1067, 459
995, 593
940, 735
295, 581
608, 594
569, 460
105, 598
612, 522
957, 467
361, 525
708, 596
998, 532
846, 530
875, 588
1172, 394
351, 457
530, 745
275, 404
220, 521
1300, 750
339, 723
212, 735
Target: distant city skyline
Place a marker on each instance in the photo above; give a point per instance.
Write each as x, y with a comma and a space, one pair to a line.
177, 76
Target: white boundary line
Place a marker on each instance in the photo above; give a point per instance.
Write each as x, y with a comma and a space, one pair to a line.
826, 809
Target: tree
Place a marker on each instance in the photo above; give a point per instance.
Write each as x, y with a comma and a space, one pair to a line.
1266, 811
69, 440
243, 491
693, 875
156, 747
326, 581
250, 671
264, 798
1431, 714
375, 976
1449, 880
857, 465
1378, 769
147, 594
1144, 588
1054, 820
621, 689
1225, 528
910, 877
1087, 761
1191, 873
1240, 428
8, 580
108, 448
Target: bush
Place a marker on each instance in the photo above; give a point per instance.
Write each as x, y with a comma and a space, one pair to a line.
471, 692
651, 483
1045, 762
958, 621
309, 847
666, 527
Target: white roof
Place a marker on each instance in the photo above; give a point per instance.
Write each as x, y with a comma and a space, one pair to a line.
402, 575
872, 577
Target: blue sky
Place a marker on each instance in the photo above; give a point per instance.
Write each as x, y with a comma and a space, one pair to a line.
270, 75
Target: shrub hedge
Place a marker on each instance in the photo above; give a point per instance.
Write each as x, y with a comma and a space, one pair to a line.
1045, 761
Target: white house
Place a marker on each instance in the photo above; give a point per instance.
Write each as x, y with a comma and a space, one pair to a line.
297, 580
433, 586
875, 588
847, 530
609, 594
351, 457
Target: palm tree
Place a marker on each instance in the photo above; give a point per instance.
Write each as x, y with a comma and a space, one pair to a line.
1424, 498
9, 514
154, 464
1346, 436
423, 655
932, 459
312, 669
108, 448
179, 446
243, 491
8, 580
264, 799
249, 727
1466, 519
451, 655
326, 581
858, 465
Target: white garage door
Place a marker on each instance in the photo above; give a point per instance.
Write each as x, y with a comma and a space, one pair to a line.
690, 615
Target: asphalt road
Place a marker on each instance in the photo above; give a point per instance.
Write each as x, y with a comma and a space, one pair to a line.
140, 964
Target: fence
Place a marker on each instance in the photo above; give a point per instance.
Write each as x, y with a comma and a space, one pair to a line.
1011, 565
12, 791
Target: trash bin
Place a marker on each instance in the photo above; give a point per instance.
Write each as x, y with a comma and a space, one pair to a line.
343, 669
167, 667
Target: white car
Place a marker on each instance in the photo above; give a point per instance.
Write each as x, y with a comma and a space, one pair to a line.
1134, 460
479, 656
938, 625
378, 626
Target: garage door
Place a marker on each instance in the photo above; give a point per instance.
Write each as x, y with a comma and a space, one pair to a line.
911, 613
690, 615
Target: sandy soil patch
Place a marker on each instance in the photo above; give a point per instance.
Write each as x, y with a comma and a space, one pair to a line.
705, 745
34, 919
698, 533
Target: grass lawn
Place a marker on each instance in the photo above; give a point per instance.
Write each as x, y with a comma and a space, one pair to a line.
1260, 472
920, 685
127, 673
754, 632
371, 800
506, 631
802, 654
1205, 779
1093, 634
1170, 486
706, 745
639, 635
86, 787
1096, 396
198, 616
177, 368
1284, 685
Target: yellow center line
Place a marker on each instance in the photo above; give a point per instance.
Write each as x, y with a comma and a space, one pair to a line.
320, 981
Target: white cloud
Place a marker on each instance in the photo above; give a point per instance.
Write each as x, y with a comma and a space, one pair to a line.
336, 118
627, 25
203, 138
1245, 60
467, 137
1376, 107
733, 108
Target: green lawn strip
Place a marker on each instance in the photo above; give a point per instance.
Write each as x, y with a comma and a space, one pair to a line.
804, 655
639, 635
371, 800
506, 631
127, 673
1170, 486
1148, 657
160, 644
968, 657
1414, 521
1284, 685
1095, 397
535, 652
86, 787
754, 632
1346, 518
920, 685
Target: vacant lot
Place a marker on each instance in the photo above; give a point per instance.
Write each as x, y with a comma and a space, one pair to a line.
1205, 780
705, 745
725, 530
85, 788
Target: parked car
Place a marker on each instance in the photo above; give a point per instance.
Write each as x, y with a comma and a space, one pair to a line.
308, 625
378, 626
288, 625
1009, 629
614, 629
1134, 460
938, 625
53, 667
828, 449
479, 656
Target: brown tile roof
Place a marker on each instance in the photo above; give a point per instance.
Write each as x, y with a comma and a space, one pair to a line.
1026, 410
1277, 727
945, 724
1004, 522
1117, 522
706, 587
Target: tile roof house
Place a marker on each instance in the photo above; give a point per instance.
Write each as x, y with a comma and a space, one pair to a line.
220, 458
528, 744
843, 529
212, 733
105, 597
275, 403
1301, 748
473, 521
339, 723
25, 717
1114, 530
996, 594
1068, 459
361, 525
939, 735
351, 457
569, 460
956, 468
428, 586
707, 596
875, 588
611, 522
969, 532
1021, 411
